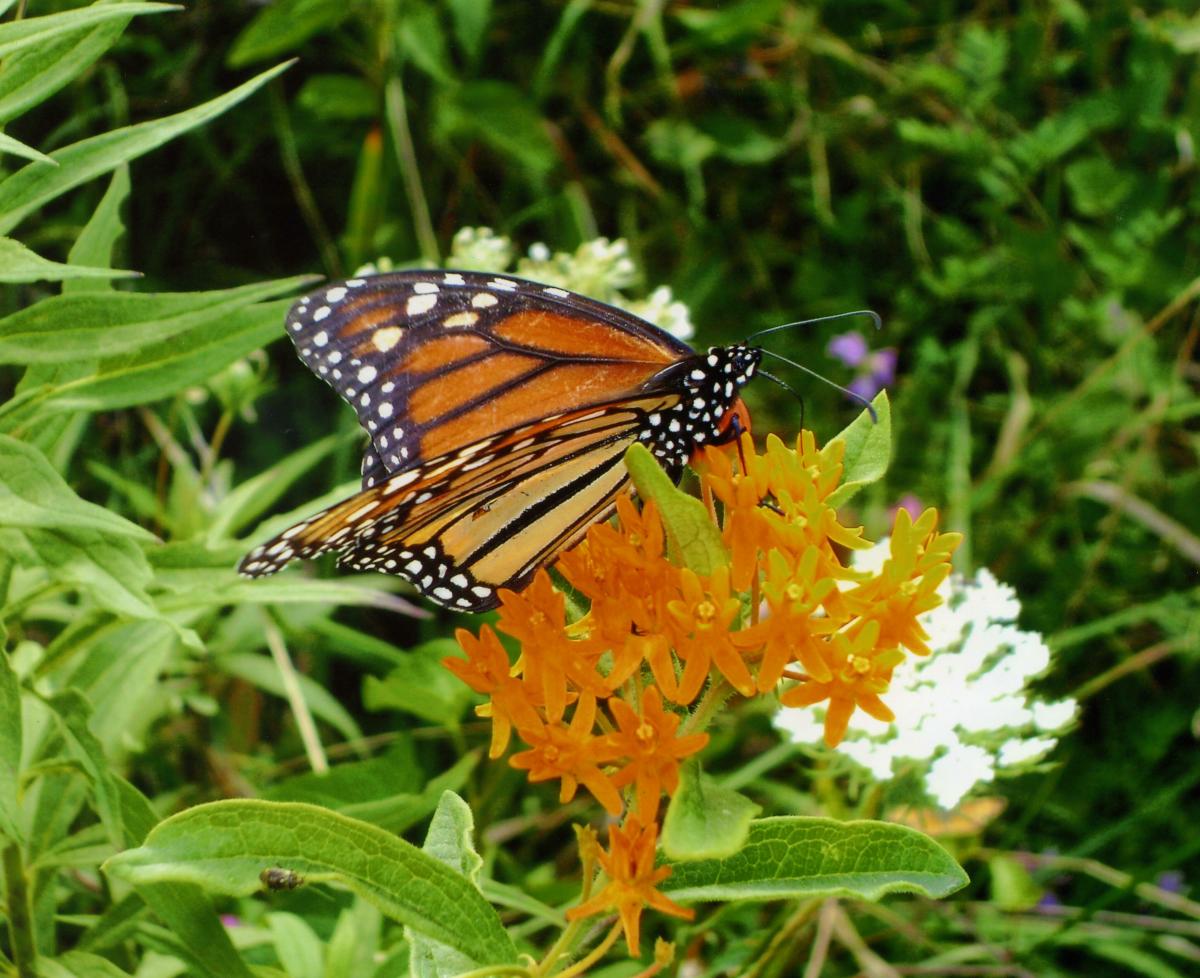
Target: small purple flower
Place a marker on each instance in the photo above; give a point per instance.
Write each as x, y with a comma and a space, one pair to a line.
1171, 881
873, 369
850, 348
909, 501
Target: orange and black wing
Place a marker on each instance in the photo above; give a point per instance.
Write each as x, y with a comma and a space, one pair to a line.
484, 516
435, 360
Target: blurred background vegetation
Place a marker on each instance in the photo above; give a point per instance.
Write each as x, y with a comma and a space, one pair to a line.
1013, 186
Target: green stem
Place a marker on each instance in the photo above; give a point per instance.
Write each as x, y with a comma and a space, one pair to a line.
300, 186
712, 700
20, 913
406, 156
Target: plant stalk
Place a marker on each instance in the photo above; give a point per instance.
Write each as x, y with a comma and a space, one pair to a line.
20, 913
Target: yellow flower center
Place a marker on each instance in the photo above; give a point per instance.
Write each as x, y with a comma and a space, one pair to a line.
706, 613
860, 664
645, 734
794, 592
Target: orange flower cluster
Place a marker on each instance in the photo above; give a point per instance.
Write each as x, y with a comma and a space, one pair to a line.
599, 698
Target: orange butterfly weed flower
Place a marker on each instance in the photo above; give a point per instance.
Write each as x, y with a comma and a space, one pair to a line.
632, 880
572, 753
781, 610
648, 739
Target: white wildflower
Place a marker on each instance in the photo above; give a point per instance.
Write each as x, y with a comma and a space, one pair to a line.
481, 250
965, 713
599, 269
663, 309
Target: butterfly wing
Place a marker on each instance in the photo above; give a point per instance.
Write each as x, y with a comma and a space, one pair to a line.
434, 360
482, 517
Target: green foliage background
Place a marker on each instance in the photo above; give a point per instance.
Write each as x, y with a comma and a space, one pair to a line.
1013, 186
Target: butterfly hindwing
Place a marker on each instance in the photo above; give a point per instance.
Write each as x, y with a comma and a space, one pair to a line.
434, 360
484, 517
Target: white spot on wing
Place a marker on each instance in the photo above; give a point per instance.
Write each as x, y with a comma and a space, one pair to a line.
419, 304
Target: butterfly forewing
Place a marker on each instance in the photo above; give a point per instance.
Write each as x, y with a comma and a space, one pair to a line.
432, 360
483, 517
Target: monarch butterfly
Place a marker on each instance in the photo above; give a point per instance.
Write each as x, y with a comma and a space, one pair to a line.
499, 411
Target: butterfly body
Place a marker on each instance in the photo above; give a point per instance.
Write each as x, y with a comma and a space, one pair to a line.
499, 413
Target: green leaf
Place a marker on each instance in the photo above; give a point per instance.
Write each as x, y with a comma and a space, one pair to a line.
502, 116
470, 18
296, 944
126, 690
197, 933
396, 771
78, 543
249, 500
79, 964
34, 74
868, 450
262, 672
679, 144
450, 841
705, 820
19, 264
451, 837
225, 845
739, 139
350, 643
1097, 186
18, 148
99, 236
390, 791
37, 184
166, 368
34, 496
814, 858
32, 32
338, 97
283, 26
10, 749
112, 571
694, 539
64, 328
207, 588
72, 711
353, 949
200, 939
421, 37
422, 686
1012, 887
553, 49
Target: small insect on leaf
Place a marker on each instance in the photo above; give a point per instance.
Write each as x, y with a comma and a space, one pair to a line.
277, 878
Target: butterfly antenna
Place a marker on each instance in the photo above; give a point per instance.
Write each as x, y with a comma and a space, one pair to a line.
787, 387
821, 377
874, 317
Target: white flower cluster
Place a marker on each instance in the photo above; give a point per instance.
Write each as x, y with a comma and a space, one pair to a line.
963, 713
480, 250
599, 269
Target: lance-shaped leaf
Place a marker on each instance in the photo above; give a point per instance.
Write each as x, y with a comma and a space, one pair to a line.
19, 264
224, 846
64, 328
868, 450
803, 858
693, 538
37, 183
